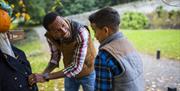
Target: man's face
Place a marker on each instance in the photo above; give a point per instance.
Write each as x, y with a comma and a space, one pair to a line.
59, 28
100, 34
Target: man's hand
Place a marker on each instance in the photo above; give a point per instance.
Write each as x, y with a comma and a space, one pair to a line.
34, 78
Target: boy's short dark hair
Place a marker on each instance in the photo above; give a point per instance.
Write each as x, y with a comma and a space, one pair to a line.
48, 19
106, 17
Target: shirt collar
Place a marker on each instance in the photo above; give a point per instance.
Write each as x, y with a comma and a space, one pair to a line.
114, 36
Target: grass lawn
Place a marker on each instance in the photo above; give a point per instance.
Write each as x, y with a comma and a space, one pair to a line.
32, 47
146, 41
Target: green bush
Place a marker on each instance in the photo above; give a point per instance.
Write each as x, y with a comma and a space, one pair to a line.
134, 20
79, 6
76, 6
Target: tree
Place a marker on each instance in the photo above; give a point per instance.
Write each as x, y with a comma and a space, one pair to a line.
19, 9
32, 11
38, 8
76, 6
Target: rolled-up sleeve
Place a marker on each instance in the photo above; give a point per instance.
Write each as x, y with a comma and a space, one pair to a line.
80, 53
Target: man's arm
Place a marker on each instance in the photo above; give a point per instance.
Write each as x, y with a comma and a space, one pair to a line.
80, 53
34, 78
76, 66
54, 62
55, 58
73, 69
49, 68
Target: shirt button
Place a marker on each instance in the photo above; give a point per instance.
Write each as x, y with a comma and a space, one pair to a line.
25, 73
20, 86
15, 78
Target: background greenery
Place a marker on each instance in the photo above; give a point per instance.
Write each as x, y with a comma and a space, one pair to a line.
31, 12
161, 18
134, 20
78, 6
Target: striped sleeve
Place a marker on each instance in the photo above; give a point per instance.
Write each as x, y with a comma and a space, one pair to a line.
55, 55
80, 53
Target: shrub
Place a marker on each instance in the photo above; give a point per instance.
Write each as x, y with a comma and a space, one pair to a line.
162, 18
134, 20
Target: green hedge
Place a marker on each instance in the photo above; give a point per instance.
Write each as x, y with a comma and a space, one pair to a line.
134, 20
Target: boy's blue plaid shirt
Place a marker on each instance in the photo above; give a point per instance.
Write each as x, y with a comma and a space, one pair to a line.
106, 68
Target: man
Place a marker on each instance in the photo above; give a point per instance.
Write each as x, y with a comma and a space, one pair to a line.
14, 66
71, 40
118, 66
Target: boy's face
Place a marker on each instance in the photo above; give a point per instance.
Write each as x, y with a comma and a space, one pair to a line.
59, 28
100, 34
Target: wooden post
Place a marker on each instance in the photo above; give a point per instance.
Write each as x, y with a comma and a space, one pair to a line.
158, 52
172, 89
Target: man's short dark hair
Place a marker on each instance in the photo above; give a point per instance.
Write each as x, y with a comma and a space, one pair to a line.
48, 19
106, 17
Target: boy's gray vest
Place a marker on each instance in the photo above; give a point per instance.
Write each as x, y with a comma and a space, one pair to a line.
131, 78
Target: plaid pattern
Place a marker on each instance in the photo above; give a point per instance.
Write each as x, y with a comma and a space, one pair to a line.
106, 68
80, 53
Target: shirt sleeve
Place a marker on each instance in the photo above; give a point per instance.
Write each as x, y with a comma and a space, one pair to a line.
55, 54
106, 68
80, 53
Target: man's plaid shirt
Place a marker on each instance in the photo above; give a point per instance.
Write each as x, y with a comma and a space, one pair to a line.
80, 53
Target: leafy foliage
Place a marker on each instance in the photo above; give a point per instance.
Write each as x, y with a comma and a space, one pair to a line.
79, 6
162, 18
19, 10
76, 6
32, 10
38, 8
134, 20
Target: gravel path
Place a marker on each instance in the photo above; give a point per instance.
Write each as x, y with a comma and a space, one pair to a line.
160, 74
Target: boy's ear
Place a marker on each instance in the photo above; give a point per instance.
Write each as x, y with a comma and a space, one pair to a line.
106, 29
